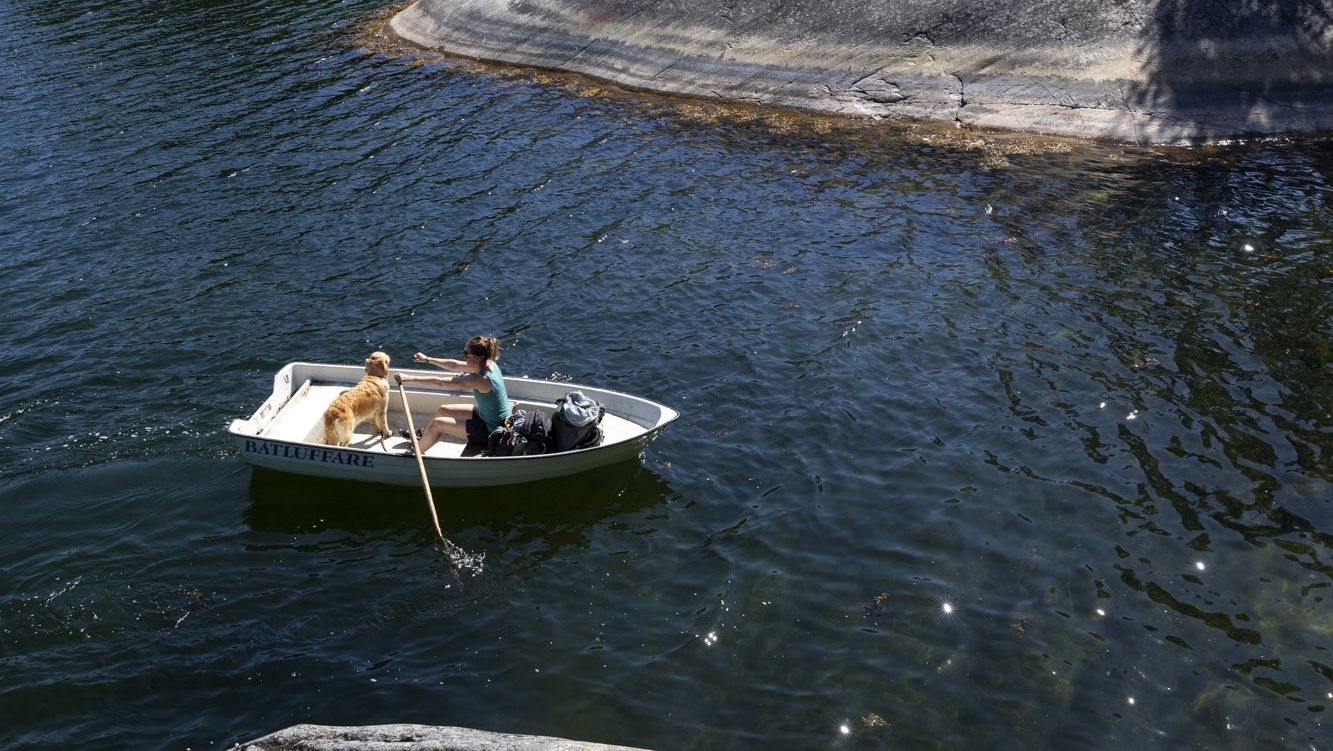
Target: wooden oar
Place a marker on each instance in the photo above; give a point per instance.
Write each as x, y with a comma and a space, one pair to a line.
421, 465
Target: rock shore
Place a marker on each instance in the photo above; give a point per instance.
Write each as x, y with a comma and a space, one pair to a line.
410, 738
1139, 71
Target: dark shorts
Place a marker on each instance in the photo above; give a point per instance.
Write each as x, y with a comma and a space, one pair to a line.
477, 432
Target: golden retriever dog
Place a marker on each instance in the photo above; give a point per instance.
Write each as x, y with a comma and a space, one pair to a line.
367, 400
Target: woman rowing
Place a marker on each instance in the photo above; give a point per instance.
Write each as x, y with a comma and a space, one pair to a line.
478, 372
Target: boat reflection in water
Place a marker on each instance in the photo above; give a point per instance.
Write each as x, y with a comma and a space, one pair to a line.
560, 509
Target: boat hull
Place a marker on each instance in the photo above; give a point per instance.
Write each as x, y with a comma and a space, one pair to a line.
283, 434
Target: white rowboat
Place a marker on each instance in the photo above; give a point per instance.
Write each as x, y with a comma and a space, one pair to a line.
285, 433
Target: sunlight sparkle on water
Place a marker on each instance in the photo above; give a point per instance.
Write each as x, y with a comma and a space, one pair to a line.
949, 607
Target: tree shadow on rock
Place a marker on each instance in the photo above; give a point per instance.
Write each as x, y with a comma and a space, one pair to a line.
1236, 66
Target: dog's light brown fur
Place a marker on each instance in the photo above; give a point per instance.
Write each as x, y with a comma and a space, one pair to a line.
367, 400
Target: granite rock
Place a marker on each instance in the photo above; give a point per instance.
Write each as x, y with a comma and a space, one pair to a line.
410, 738
1142, 71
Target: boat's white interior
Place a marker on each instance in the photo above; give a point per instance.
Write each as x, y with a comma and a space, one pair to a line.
302, 419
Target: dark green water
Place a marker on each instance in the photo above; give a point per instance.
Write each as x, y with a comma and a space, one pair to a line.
979, 449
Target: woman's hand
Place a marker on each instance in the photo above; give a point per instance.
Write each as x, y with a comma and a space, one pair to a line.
420, 357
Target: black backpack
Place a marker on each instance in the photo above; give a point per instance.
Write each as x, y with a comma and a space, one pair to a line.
525, 433
577, 422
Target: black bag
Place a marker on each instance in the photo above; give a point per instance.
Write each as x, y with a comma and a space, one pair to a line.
577, 423
525, 433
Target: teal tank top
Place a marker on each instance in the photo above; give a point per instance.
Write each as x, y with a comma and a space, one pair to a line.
493, 407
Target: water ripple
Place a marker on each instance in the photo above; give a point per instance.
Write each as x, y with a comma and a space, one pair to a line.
984, 445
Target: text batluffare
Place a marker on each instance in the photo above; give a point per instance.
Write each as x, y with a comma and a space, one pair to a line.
308, 453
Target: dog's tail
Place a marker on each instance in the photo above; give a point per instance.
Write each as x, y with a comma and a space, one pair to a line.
335, 433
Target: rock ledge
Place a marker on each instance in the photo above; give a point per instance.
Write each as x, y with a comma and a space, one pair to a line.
1141, 71
410, 738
